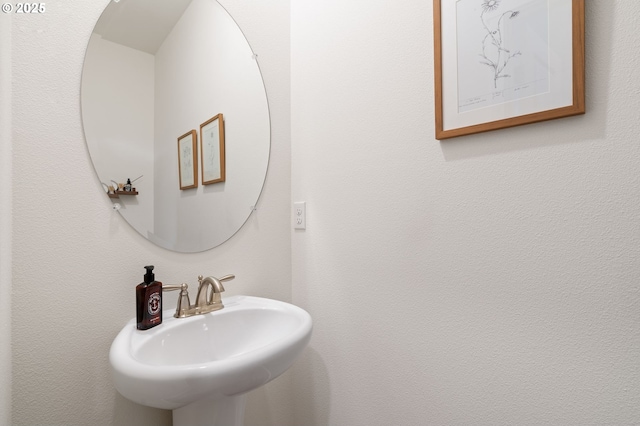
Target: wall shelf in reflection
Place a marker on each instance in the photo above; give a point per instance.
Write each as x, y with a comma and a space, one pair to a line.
119, 193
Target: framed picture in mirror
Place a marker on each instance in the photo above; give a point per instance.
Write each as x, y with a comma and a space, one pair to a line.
188, 160
212, 150
502, 63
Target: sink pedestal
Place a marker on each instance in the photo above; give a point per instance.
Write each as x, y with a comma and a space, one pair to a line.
227, 411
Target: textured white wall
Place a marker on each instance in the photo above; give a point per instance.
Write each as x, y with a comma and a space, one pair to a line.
5, 218
76, 262
490, 279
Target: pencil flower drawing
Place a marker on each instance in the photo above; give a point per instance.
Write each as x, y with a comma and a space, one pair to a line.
494, 52
489, 5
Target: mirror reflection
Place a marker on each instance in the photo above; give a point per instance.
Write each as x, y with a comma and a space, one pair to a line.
176, 120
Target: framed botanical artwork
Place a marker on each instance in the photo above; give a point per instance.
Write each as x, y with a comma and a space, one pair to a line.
504, 63
212, 150
188, 160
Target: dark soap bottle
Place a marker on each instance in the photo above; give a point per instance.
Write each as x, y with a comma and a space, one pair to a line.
149, 301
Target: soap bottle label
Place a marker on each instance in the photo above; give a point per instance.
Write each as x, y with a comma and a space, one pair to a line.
154, 304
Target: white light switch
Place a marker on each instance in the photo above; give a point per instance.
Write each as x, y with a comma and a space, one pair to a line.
300, 215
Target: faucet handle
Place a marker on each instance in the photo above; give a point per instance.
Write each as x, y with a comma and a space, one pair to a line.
183, 301
225, 278
171, 287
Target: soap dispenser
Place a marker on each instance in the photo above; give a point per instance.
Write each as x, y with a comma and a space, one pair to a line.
149, 301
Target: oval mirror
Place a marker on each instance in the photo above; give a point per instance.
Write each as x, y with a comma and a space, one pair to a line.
173, 101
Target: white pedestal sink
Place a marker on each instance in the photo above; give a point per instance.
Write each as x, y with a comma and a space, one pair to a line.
201, 367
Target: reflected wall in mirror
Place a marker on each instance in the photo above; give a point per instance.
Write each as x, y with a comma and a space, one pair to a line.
154, 69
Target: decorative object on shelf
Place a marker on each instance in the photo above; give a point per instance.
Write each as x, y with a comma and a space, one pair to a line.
114, 191
130, 184
500, 64
212, 150
188, 160
110, 190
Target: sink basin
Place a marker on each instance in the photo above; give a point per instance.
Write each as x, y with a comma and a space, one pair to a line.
201, 366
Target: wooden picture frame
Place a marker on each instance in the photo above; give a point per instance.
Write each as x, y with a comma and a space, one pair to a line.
188, 160
502, 63
212, 154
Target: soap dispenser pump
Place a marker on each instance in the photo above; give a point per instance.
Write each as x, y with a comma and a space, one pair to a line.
148, 301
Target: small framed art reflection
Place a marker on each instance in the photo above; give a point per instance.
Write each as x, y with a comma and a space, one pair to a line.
212, 150
188, 160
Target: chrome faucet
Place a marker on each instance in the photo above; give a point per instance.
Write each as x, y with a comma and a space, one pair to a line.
206, 301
